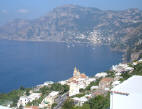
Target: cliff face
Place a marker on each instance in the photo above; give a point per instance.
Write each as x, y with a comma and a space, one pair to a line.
75, 24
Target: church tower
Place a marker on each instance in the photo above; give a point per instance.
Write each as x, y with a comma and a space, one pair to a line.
76, 72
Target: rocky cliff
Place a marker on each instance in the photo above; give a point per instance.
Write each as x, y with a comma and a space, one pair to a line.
75, 24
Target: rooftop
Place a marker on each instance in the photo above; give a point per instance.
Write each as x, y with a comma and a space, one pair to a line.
53, 93
32, 107
131, 85
83, 75
107, 79
3, 107
35, 94
83, 99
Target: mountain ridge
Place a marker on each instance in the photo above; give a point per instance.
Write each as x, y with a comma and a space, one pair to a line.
77, 24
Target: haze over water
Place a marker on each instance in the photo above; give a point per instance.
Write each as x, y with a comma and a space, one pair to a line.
31, 63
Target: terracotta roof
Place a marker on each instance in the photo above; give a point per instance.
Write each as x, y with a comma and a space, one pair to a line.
99, 92
72, 78
83, 75
106, 79
32, 107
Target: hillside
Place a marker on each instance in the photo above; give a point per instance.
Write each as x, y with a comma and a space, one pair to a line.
75, 24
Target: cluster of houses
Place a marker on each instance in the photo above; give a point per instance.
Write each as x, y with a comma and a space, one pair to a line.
121, 68
49, 100
78, 81
127, 92
24, 100
81, 81
46, 102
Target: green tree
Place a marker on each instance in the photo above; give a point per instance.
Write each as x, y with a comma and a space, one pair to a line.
99, 102
94, 83
125, 76
22, 88
53, 105
44, 90
110, 74
79, 95
58, 87
11, 97
36, 102
85, 106
137, 69
27, 92
69, 104
20, 107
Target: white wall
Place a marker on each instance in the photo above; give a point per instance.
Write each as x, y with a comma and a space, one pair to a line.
132, 101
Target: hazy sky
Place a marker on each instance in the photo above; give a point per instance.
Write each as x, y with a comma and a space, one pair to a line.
27, 9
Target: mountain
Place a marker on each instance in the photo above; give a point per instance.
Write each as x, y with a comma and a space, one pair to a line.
75, 24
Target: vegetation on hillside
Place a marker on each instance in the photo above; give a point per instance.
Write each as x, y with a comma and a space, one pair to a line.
47, 89
12, 97
54, 87
137, 69
99, 102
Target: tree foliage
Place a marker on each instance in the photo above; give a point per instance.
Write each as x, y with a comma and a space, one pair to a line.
94, 83
137, 69
99, 102
53, 105
36, 102
55, 87
111, 74
125, 76
69, 104
12, 97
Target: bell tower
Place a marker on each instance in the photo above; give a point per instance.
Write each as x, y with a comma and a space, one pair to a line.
76, 72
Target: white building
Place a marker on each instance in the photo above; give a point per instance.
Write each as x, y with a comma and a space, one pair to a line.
74, 89
88, 95
121, 68
101, 75
127, 95
89, 80
78, 81
63, 82
34, 96
3, 107
140, 60
47, 83
49, 100
23, 101
134, 63
80, 101
94, 87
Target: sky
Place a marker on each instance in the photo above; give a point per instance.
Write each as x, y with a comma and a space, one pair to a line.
32, 9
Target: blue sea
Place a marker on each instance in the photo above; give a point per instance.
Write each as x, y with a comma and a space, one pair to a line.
31, 63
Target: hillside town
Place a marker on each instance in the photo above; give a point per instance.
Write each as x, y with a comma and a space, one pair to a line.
121, 83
